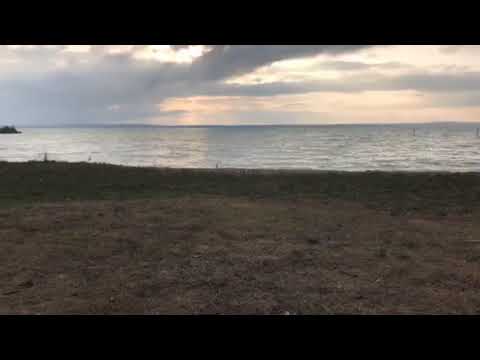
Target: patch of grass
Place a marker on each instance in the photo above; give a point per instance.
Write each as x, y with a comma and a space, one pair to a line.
398, 193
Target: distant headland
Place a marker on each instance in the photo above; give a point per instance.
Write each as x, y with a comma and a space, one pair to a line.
9, 130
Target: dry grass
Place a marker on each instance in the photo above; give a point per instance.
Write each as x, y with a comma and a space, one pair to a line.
236, 255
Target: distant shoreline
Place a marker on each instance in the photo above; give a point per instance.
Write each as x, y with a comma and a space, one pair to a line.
79, 126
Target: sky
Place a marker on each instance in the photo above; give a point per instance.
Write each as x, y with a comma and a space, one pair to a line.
48, 85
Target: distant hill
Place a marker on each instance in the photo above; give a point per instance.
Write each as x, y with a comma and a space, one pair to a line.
9, 130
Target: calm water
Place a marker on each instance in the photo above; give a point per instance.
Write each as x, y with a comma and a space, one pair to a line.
450, 147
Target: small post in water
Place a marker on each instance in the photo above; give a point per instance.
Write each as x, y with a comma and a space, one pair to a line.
478, 132
414, 131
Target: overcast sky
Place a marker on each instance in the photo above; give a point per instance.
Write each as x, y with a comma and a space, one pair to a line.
248, 84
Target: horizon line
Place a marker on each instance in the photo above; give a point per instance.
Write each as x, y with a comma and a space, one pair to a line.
242, 125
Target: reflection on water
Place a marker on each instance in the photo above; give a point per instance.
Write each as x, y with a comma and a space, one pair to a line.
451, 147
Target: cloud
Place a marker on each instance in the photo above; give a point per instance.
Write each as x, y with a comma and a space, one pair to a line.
58, 85
358, 65
111, 84
224, 61
467, 81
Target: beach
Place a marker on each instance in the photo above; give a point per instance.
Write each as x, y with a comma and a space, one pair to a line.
82, 238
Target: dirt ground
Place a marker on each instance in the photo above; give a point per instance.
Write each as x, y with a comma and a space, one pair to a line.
210, 254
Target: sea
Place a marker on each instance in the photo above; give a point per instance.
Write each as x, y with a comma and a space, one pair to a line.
452, 147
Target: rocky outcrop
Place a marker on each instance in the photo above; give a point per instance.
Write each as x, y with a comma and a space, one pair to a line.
9, 130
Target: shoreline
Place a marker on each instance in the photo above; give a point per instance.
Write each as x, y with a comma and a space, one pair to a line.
253, 171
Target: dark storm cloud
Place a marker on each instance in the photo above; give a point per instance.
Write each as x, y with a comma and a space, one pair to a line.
224, 61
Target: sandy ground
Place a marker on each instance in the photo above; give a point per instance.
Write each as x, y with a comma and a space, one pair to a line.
232, 255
